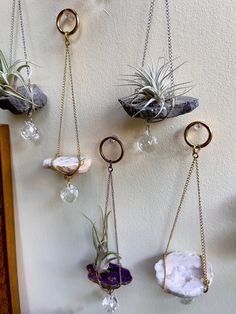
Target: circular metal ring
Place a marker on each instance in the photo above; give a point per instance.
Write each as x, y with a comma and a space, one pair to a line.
199, 145
113, 138
77, 22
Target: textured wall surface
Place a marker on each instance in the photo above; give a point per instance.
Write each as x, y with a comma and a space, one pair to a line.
53, 240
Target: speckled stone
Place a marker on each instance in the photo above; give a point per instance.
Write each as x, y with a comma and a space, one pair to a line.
183, 105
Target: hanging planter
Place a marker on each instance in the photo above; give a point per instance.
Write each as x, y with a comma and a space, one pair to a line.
15, 93
104, 271
155, 97
107, 270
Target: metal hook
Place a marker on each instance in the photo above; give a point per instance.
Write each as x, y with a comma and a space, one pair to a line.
115, 139
186, 132
76, 18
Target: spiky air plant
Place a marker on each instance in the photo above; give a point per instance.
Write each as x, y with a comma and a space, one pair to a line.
16, 94
11, 78
155, 94
104, 271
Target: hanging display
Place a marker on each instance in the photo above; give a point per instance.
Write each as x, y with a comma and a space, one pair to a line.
183, 274
17, 93
156, 96
107, 270
68, 166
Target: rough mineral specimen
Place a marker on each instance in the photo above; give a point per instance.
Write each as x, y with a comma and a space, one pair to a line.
67, 164
18, 106
110, 278
183, 104
184, 274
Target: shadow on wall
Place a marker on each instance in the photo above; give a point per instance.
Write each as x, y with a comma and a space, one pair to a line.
225, 242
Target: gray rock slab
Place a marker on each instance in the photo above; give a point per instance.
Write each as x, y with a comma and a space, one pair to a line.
183, 105
18, 106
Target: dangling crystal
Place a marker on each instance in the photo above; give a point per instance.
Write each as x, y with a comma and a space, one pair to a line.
147, 142
110, 303
186, 300
69, 194
29, 131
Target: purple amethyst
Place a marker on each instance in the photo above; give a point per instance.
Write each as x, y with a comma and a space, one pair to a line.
110, 279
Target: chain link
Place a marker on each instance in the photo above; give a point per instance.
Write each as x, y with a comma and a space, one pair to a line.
110, 192
68, 66
169, 35
22, 28
17, 4
149, 25
169, 41
12, 30
202, 233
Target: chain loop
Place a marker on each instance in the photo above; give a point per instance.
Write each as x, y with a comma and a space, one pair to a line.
202, 233
15, 4
149, 25
68, 68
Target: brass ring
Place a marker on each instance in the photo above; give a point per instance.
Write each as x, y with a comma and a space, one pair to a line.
199, 145
114, 138
77, 21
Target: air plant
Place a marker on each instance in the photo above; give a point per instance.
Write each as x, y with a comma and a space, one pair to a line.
154, 89
11, 79
18, 95
108, 275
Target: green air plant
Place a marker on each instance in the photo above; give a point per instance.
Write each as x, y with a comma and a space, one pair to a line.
154, 86
100, 241
11, 78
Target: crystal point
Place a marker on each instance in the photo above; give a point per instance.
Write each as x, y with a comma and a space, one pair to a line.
29, 131
69, 194
110, 303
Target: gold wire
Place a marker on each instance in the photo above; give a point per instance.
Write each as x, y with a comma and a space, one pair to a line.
202, 233
68, 66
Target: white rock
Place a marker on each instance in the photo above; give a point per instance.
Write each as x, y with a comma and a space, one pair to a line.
67, 164
184, 274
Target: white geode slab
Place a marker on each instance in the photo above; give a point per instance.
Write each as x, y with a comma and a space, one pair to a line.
67, 164
183, 274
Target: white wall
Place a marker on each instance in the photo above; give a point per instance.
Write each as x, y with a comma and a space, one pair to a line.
53, 240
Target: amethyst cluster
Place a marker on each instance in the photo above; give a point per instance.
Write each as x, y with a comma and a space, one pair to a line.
110, 278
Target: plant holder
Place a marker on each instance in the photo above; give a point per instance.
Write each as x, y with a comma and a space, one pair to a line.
107, 270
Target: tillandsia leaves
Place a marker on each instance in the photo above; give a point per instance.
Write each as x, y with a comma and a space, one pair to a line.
153, 87
104, 255
103, 272
11, 78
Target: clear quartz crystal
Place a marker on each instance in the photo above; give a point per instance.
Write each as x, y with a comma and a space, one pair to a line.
110, 303
69, 194
186, 300
29, 131
147, 142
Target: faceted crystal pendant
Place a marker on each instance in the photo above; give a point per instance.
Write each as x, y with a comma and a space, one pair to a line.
69, 194
110, 303
186, 300
29, 131
147, 142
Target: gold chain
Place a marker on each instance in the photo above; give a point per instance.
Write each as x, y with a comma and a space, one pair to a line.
202, 233
62, 106
110, 192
